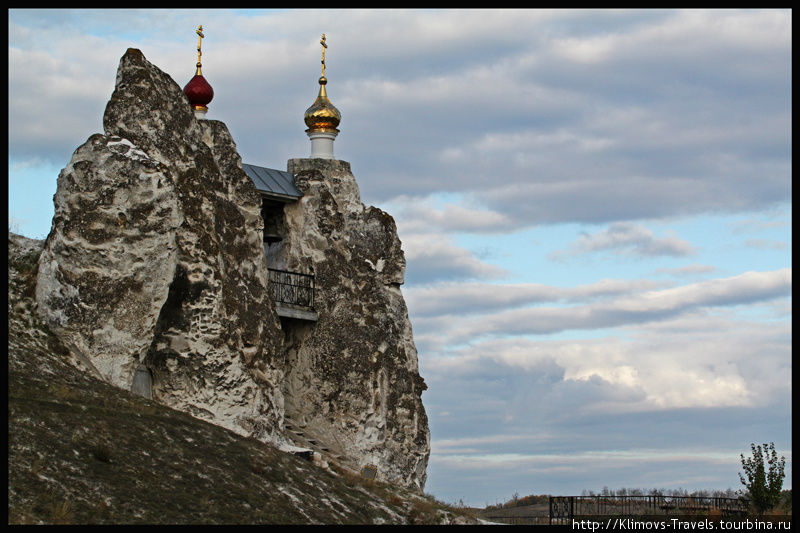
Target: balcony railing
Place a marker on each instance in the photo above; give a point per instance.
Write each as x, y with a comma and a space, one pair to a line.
292, 288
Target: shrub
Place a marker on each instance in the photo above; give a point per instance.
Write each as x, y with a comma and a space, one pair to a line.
763, 483
422, 512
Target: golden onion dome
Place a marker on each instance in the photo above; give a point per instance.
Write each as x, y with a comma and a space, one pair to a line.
322, 115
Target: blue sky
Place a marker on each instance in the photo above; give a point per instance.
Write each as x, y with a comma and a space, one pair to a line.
595, 208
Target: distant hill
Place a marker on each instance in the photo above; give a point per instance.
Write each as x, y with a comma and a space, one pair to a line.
82, 451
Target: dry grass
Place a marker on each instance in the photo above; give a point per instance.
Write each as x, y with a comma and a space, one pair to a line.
61, 512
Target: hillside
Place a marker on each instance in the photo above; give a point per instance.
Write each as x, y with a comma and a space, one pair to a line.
83, 451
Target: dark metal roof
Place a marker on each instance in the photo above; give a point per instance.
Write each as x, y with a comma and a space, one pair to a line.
276, 184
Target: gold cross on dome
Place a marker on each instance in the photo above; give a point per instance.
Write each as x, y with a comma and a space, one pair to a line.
324, 46
200, 36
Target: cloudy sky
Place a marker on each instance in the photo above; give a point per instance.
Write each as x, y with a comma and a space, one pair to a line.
595, 208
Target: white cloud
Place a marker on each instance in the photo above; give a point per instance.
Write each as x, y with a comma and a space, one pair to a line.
688, 270
416, 216
471, 297
483, 99
618, 457
714, 361
628, 238
755, 225
680, 35
643, 307
433, 257
766, 244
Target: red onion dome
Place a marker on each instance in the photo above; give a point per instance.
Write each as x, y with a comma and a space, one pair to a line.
198, 91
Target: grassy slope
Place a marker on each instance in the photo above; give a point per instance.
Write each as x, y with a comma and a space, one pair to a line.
82, 451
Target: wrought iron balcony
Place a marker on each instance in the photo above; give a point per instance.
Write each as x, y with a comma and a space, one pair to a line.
294, 293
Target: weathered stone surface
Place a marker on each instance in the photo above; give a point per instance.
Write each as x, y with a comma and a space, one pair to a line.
352, 382
155, 257
155, 263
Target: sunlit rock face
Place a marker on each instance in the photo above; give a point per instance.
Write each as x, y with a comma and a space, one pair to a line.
352, 382
155, 257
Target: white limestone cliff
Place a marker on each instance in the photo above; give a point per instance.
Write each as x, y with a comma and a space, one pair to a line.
352, 380
155, 261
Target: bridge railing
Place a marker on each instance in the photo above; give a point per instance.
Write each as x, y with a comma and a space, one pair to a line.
572, 507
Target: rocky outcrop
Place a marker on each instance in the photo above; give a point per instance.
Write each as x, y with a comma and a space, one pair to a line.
83, 452
352, 381
155, 261
154, 275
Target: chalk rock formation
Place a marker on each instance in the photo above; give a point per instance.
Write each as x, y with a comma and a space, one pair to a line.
154, 274
352, 383
155, 260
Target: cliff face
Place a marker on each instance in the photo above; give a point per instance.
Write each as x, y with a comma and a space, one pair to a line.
154, 259
154, 272
352, 380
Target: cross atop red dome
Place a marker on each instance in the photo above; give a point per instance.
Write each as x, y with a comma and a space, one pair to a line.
198, 90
